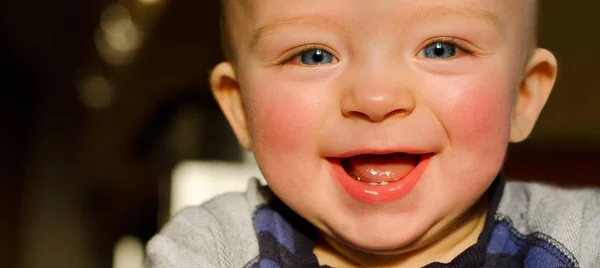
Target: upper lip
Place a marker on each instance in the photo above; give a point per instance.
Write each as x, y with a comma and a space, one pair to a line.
356, 152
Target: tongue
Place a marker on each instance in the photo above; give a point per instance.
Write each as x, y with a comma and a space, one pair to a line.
381, 168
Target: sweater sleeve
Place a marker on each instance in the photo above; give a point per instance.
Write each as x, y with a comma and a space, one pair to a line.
216, 234
191, 239
590, 229
570, 216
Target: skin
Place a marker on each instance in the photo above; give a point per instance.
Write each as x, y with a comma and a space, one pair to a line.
381, 93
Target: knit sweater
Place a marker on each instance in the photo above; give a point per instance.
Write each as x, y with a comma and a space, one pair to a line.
528, 225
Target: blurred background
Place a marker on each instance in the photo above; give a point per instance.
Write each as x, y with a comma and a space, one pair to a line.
107, 125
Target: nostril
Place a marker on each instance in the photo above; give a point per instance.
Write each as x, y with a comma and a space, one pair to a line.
357, 114
397, 113
374, 117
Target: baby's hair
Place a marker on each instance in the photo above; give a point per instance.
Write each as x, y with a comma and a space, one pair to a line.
229, 52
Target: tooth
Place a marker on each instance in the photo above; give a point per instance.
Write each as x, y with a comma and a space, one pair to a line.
383, 183
373, 183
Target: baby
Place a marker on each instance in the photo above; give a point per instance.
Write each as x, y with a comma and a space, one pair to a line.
381, 127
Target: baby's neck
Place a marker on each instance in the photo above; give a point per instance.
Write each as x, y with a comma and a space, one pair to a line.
443, 249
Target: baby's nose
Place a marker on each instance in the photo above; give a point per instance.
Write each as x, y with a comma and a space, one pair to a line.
377, 101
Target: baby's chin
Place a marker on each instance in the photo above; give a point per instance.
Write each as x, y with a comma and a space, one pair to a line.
379, 240
361, 250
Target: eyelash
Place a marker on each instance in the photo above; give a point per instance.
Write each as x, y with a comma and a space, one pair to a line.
452, 41
298, 53
448, 40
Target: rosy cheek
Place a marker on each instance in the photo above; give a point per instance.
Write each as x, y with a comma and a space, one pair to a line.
479, 113
475, 111
281, 122
283, 118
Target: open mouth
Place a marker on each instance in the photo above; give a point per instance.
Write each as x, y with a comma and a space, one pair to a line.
380, 169
379, 178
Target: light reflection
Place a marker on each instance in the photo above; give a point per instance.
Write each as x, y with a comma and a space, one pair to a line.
117, 37
194, 182
149, 2
128, 253
115, 18
96, 92
371, 192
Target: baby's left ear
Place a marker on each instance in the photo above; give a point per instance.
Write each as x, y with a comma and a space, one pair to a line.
536, 86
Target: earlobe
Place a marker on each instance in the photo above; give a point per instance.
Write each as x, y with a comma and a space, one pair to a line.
226, 90
540, 75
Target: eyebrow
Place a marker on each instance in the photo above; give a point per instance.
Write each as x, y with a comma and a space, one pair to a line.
480, 14
291, 21
477, 13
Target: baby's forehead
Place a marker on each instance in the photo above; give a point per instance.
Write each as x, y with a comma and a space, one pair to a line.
257, 10
253, 14
243, 20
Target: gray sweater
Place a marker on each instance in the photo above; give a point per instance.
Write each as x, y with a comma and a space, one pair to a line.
564, 224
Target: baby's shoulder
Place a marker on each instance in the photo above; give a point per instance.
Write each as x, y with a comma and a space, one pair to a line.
218, 233
542, 200
570, 217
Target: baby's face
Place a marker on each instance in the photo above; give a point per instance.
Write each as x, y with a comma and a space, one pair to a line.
380, 122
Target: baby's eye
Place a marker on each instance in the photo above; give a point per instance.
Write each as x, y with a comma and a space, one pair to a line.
439, 50
315, 56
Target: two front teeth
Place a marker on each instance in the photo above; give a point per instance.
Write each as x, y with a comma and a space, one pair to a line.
380, 183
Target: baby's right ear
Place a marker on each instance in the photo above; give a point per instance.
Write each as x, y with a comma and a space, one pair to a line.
226, 90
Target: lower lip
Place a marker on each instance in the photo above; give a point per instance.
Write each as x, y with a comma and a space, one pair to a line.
392, 191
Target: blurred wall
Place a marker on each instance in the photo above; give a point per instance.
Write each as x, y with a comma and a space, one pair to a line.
572, 113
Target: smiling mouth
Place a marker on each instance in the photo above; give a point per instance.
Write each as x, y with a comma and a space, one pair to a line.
380, 169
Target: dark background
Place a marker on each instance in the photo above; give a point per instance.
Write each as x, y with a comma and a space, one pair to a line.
88, 139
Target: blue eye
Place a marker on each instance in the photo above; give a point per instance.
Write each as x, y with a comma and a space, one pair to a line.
316, 56
440, 50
